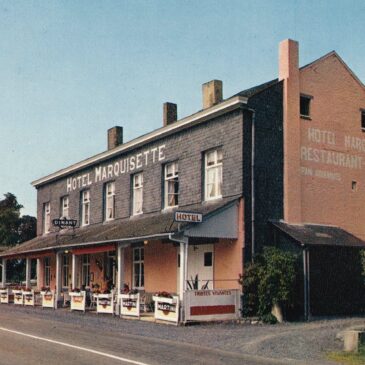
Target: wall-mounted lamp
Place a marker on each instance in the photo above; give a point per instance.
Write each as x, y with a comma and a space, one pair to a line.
145, 242
66, 251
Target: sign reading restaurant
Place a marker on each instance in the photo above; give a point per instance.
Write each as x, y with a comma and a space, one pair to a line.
117, 168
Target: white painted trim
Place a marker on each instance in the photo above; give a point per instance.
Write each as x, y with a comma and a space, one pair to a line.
197, 117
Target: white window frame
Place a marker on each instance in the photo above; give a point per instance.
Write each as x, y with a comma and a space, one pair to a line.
46, 217
85, 207
137, 204
213, 174
85, 270
171, 185
110, 201
65, 271
47, 271
65, 205
140, 263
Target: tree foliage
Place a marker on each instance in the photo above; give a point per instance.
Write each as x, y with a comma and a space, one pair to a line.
269, 280
14, 228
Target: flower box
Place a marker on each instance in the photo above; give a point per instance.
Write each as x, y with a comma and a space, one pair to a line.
48, 299
5, 296
105, 303
78, 301
28, 297
164, 299
166, 309
129, 304
18, 297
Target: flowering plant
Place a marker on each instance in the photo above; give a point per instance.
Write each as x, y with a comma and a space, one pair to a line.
163, 294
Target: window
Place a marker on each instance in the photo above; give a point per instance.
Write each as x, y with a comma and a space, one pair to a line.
213, 174
85, 208
64, 207
363, 120
65, 270
46, 217
208, 258
354, 185
171, 187
138, 268
109, 201
305, 101
85, 274
47, 271
137, 194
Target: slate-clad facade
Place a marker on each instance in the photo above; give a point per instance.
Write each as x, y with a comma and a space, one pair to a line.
260, 166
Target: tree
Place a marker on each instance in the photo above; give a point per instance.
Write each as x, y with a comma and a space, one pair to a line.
9, 220
15, 229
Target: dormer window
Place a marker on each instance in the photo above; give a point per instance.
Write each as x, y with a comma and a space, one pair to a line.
305, 104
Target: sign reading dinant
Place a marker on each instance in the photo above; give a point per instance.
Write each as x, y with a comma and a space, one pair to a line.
188, 217
64, 222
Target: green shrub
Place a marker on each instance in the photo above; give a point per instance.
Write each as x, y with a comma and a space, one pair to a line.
269, 280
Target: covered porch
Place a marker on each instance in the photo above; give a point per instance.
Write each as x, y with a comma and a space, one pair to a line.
147, 255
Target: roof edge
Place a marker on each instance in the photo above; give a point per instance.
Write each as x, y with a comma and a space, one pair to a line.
200, 116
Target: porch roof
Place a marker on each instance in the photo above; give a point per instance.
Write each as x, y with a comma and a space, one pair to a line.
319, 235
147, 226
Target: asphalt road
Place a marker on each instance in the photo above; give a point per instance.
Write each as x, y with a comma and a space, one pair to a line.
28, 339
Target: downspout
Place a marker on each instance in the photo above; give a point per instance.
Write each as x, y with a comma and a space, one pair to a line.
253, 186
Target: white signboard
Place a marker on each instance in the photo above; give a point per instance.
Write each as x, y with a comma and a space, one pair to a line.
188, 217
212, 305
18, 297
167, 309
5, 296
129, 305
105, 303
78, 301
28, 298
47, 299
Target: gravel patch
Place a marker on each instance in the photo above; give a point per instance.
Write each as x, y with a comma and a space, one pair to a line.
305, 341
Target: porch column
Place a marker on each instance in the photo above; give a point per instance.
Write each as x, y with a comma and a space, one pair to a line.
74, 272
3, 273
120, 277
39, 263
58, 276
183, 268
27, 272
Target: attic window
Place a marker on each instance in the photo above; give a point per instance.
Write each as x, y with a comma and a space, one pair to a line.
363, 120
305, 101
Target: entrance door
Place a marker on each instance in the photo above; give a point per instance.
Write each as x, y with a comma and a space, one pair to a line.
200, 266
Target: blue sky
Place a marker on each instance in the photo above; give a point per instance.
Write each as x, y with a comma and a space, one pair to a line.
69, 70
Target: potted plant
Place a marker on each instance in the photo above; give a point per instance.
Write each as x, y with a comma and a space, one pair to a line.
166, 306
129, 302
78, 299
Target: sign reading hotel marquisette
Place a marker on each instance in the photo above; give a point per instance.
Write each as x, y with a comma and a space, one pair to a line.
188, 217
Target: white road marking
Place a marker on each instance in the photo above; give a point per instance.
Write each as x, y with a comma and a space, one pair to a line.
75, 347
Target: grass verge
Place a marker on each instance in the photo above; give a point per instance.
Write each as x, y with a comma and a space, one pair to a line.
348, 358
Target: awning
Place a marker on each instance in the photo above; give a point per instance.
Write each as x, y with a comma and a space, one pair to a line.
318, 235
154, 226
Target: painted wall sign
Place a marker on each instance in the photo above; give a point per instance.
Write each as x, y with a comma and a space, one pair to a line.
117, 168
335, 151
188, 217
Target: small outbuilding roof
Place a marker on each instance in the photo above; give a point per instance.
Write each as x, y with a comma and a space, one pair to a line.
319, 235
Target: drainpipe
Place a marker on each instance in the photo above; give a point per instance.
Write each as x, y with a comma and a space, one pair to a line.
306, 284
253, 186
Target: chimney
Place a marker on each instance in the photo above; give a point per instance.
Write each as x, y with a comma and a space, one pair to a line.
169, 113
212, 93
289, 75
115, 137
